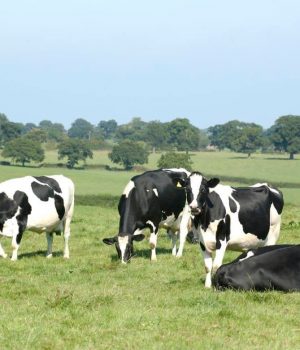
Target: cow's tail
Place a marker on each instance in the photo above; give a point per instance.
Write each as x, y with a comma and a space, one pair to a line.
277, 199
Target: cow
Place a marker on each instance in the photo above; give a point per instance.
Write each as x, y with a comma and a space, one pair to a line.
235, 218
36, 203
274, 267
154, 199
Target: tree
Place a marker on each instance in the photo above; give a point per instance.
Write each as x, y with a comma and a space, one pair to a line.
108, 128
81, 129
74, 150
248, 139
156, 135
128, 153
134, 130
37, 135
23, 150
175, 160
9, 131
182, 134
285, 134
237, 136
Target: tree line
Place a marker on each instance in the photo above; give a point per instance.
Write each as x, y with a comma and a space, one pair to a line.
130, 143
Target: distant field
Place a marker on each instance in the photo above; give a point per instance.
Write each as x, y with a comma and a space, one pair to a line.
231, 168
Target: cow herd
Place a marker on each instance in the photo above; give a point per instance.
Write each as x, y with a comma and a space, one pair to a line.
244, 219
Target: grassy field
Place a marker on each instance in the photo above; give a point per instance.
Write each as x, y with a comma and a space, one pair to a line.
93, 302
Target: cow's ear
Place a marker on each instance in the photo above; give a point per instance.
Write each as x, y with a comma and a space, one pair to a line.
110, 241
213, 182
138, 238
179, 182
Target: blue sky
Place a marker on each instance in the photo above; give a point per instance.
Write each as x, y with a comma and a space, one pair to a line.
208, 61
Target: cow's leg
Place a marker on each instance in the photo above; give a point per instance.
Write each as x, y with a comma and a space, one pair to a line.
2, 252
49, 236
153, 241
173, 237
16, 240
67, 231
220, 252
208, 263
183, 230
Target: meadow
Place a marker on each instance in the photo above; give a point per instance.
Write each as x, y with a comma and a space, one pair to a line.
91, 301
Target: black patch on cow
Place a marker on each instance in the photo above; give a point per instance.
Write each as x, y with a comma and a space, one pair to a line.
59, 205
254, 213
277, 200
214, 210
8, 209
232, 205
50, 182
202, 246
223, 231
43, 192
21, 200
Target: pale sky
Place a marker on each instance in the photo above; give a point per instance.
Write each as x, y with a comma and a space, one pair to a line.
205, 60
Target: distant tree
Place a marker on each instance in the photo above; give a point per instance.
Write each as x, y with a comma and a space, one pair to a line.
156, 135
134, 130
74, 150
237, 136
28, 127
37, 135
248, 139
108, 128
10, 131
23, 150
81, 129
285, 134
3, 118
182, 134
128, 153
175, 160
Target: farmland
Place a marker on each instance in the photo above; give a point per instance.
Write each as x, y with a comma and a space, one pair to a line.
93, 302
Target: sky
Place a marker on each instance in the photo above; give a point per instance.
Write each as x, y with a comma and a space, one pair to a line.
210, 61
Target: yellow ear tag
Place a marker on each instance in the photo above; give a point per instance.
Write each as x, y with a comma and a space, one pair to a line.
178, 184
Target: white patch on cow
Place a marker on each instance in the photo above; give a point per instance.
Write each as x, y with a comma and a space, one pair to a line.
128, 188
195, 181
123, 241
249, 254
155, 191
149, 222
178, 170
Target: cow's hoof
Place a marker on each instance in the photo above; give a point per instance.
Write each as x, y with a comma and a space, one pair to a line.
4, 256
66, 257
49, 256
13, 259
178, 255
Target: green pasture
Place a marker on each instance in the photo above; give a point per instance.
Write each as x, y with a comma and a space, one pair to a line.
91, 301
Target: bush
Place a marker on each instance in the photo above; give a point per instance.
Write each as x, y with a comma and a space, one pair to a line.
175, 160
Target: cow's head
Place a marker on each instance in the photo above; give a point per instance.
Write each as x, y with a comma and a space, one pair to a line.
197, 190
124, 245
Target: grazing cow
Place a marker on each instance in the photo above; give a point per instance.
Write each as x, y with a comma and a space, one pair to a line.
40, 204
152, 200
274, 267
233, 218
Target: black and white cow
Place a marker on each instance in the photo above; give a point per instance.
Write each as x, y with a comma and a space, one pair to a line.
152, 200
274, 267
40, 204
233, 218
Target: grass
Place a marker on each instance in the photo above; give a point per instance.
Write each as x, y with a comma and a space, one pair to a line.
93, 302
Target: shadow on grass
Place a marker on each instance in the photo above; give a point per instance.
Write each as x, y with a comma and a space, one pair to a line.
38, 253
143, 253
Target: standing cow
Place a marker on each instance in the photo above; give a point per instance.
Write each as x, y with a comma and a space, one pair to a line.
233, 218
40, 204
274, 267
152, 200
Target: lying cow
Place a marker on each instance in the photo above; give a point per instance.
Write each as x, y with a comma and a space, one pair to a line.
268, 268
233, 218
152, 200
40, 204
